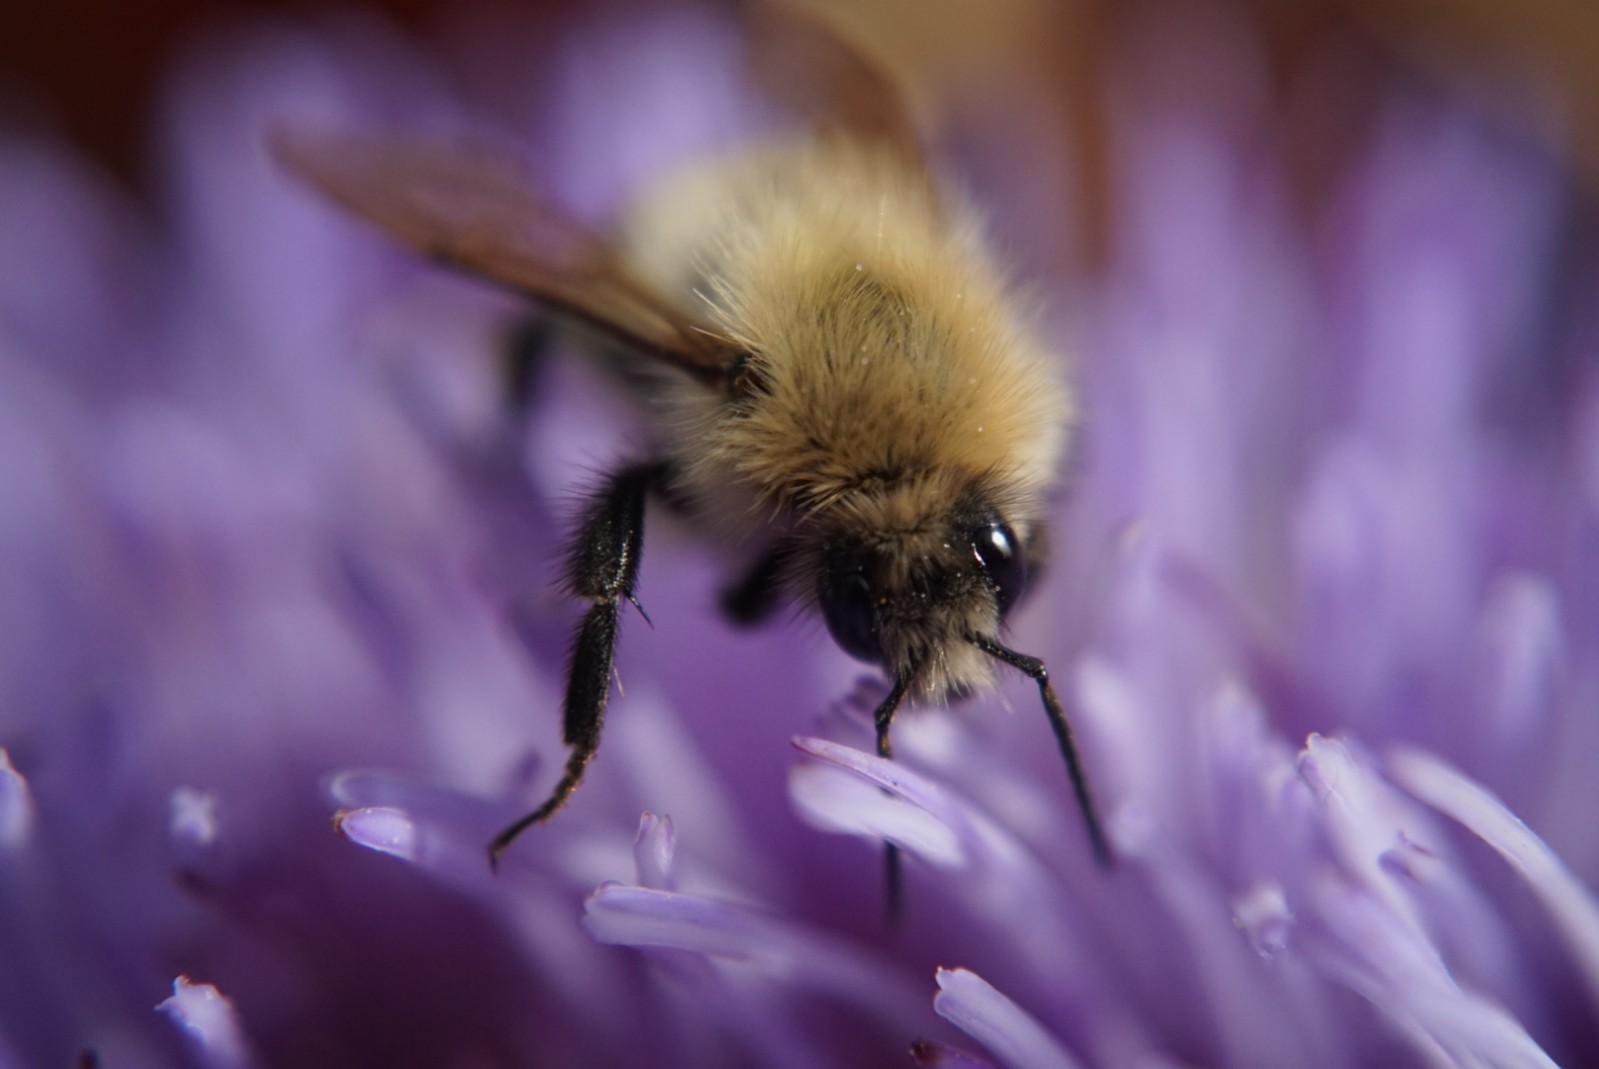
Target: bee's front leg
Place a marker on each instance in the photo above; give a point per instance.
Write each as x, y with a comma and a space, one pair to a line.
883, 719
602, 568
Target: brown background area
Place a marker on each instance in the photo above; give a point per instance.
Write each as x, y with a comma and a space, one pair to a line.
89, 69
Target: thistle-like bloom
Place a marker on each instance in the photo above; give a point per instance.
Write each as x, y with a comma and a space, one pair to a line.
276, 550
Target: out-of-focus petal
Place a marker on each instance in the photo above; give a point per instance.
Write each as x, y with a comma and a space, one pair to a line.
193, 822
733, 946
1001, 878
211, 1023
16, 806
388, 831
871, 801
1573, 906
972, 1004
653, 850
1375, 952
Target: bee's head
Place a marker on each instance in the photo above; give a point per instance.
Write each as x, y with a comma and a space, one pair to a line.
908, 582
912, 594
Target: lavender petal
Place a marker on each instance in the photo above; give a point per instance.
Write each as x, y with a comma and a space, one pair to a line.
1573, 906
974, 1006
210, 1022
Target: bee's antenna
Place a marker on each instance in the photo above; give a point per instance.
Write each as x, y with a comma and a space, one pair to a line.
1034, 668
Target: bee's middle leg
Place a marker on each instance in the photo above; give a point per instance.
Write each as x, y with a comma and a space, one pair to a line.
755, 595
602, 567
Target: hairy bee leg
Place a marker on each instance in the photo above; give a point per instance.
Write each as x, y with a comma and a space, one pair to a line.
893, 874
603, 568
753, 597
1033, 667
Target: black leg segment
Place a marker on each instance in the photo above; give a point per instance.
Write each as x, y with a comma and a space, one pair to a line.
1034, 668
524, 353
602, 568
752, 598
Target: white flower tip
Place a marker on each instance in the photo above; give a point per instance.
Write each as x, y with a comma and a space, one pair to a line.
381, 828
209, 1020
832, 798
192, 817
16, 806
1014, 1036
1324, 764
653, 850
1262, 914
621, 915
948, 979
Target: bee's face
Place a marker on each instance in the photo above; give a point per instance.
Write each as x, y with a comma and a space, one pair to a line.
910, 599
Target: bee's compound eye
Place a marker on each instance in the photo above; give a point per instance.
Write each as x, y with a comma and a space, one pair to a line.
1000, 553
849, 609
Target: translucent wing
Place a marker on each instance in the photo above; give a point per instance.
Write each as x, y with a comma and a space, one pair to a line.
476, 209
811, 65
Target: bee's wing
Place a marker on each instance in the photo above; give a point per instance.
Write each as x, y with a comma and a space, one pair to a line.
813, 66
476, 209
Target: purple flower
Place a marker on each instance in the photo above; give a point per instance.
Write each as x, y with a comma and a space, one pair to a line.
276, 550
